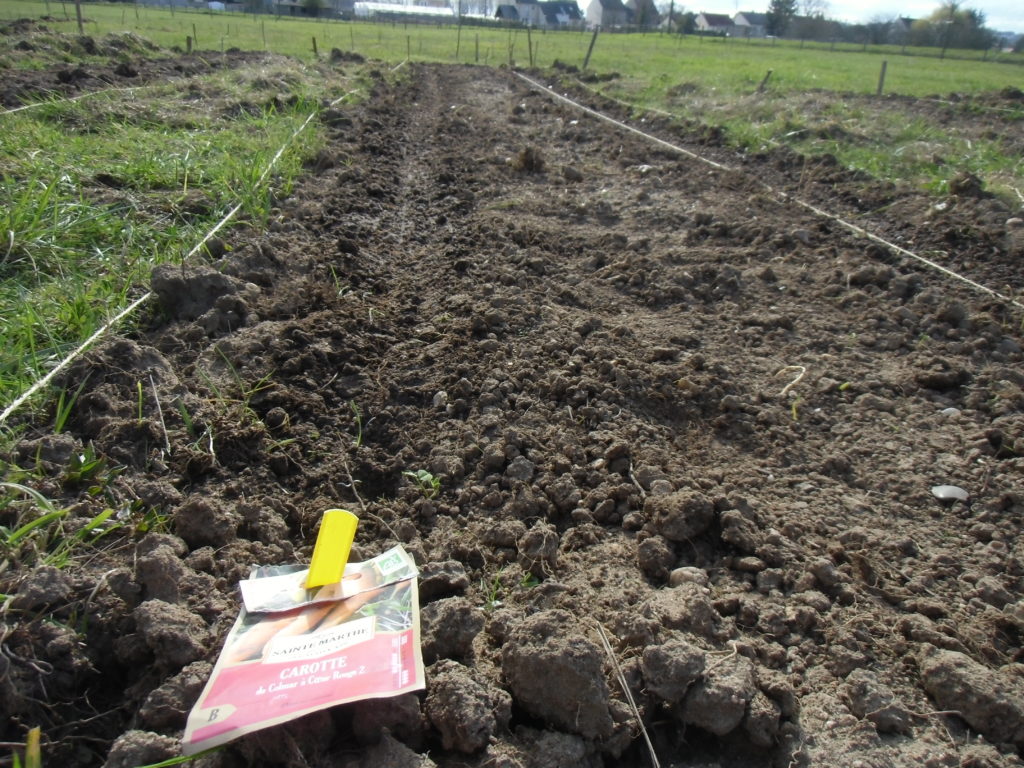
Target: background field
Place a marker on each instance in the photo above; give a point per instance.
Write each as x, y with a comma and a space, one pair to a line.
732, 66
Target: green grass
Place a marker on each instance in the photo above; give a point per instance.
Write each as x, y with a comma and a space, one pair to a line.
731, 66
86, 214
736, 68
819, 102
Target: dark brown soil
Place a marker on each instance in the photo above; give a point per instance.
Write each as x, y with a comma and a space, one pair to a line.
117, 61
658, 399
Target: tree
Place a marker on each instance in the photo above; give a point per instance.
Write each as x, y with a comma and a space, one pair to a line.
780, 13
882, 29
814, 8
951, 26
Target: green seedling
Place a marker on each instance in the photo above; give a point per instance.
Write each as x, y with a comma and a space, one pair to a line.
152, 519
12, 538
33, 754
64, 406
86, 467
181, 759
529, 581
246, 392
186, 419
492, 591
359, 422
60, 554
429, 484
494, 588
340, 288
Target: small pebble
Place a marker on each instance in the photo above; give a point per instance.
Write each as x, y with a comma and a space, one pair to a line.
949, 493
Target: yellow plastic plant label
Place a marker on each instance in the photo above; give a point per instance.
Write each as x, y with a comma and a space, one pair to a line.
333, 543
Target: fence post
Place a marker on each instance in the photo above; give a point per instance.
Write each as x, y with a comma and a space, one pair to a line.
529, 46
881, 77
188, 44
590, 50
764, 82
315, 52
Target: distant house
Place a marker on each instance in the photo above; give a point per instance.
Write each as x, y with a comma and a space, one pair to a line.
679, 21
750, 24
714, 23
561, 14
903, 24
551, 15
607, 13
530, 13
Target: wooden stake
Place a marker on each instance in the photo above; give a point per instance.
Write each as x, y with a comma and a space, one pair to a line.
881, 77
590, 49
315, 53
188, 43
78, 14
529, 46
761, 87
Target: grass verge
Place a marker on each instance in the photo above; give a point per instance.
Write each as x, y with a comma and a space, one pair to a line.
100, 190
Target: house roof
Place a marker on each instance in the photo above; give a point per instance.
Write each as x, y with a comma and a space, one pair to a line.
612, 5
752, 18
506, 12
561, 12
717, 20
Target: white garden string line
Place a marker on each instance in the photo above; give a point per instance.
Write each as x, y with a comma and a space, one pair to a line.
784, 196
77, 352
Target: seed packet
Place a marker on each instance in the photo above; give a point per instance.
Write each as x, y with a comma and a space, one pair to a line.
282, 587
303, 653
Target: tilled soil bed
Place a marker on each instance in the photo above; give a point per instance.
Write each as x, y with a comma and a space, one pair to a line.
658, 400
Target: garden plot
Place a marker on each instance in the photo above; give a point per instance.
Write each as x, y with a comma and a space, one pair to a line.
661, 406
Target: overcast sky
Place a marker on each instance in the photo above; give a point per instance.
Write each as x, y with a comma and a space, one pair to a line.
999, 14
